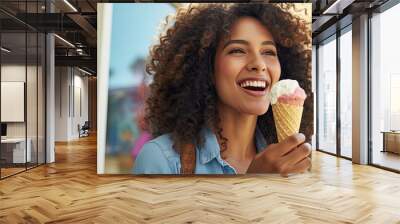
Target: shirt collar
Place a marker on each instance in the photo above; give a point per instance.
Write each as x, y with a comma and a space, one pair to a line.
211, 149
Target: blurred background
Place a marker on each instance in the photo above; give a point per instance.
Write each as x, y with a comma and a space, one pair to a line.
135, 27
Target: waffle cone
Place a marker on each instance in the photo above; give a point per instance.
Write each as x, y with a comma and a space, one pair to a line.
287, 119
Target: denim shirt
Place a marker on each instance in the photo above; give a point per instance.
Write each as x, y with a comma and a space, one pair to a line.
159, 157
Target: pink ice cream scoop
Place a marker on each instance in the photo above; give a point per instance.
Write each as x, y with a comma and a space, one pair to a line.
287, 91
296, 98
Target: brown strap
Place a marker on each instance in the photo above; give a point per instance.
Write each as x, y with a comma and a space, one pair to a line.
188, 159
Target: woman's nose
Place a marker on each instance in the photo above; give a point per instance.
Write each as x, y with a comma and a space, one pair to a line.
256, 65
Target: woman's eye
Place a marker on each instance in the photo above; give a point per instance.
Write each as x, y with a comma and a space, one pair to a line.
269, 53
236, 51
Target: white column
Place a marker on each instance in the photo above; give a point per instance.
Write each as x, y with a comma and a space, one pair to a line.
50, 99
360, 90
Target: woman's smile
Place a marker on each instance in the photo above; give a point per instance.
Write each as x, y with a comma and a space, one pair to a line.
253, 86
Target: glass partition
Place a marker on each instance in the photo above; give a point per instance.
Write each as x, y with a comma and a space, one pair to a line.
13, 105
22, 90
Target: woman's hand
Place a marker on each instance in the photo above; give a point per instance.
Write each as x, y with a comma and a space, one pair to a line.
288, 156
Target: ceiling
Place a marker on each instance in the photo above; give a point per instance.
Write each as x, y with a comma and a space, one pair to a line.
76, 22
73, 20
331, 15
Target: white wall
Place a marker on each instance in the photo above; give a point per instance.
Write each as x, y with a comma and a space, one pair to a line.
80, 100
61, 103
71, 93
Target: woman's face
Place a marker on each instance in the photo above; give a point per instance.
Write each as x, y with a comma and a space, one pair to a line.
246, 66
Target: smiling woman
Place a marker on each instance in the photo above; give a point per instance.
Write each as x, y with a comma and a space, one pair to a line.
209, 106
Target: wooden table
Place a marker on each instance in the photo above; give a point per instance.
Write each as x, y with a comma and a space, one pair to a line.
391, 141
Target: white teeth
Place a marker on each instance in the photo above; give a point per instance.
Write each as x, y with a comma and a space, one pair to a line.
253, 84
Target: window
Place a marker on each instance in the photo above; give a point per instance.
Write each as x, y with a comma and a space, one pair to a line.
385, 89
327, 96
346, 93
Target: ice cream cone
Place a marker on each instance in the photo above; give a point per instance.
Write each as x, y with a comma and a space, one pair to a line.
287, 119
287, 100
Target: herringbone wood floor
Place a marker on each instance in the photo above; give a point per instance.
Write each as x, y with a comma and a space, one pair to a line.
70, 191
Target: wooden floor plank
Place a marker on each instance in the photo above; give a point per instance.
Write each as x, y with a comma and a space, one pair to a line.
70, 191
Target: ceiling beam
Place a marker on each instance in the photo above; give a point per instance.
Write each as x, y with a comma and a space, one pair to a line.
84, 24
85, 61
337, 7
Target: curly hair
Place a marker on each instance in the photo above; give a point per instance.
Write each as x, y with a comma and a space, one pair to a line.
183, 98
